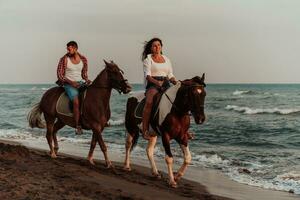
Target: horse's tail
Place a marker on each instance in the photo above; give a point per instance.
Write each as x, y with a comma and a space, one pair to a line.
34, 117
131, 123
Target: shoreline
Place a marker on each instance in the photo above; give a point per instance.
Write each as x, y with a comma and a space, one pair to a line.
28, 173
215, 182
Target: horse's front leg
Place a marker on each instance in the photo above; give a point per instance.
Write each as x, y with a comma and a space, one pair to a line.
169, 159
103, 147
92, 148
150, 152
186, 162
128, 146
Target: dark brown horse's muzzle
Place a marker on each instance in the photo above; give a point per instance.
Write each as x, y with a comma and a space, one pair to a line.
127, 87
199, 119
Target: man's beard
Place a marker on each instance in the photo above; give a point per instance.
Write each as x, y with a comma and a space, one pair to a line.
71, 55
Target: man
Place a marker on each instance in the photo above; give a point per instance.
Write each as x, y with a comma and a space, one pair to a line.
72, 74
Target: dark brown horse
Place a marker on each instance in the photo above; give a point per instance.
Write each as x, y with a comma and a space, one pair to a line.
189, 99
95, 109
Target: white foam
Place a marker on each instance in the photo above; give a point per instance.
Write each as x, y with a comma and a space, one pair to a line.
211, 160
240, 92
116, 122
276, 183
16, 134
251, 111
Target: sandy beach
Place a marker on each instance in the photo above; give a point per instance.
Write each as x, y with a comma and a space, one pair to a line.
32, 174
29, 173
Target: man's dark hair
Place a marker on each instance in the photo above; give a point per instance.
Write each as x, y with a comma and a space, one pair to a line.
72, 43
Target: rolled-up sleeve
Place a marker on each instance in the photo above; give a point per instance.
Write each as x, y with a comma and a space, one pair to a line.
170, 73
84, 70
61, 70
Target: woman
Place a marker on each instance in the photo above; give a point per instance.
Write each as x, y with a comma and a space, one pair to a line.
158, 73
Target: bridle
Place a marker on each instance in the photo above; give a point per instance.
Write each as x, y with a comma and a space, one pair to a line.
188, 87
113, 82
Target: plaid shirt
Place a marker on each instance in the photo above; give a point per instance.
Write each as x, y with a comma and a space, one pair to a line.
62, 65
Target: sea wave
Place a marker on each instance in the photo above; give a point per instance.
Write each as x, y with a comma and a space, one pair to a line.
251, 111
240, 92
276, 183
250, 173
116, 122
17, 134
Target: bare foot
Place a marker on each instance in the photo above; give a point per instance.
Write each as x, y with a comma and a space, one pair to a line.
78, 130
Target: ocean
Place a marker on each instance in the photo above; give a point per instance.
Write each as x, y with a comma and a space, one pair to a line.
252, 131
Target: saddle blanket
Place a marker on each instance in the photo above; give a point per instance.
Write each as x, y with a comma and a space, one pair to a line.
62, 105
164, 106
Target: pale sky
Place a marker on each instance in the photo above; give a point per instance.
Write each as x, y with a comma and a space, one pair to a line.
232, 41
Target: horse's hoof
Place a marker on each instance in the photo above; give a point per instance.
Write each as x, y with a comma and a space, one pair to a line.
109, 165
128, 169
91, 161
56, 150
53, 155
177, 177
173, 185
157, 175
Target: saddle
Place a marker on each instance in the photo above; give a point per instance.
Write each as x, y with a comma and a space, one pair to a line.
138, 113
65, 107
161, 106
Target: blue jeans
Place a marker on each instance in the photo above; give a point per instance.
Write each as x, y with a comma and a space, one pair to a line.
72, 92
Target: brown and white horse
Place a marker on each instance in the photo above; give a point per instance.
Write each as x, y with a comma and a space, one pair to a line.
95, 111
189, 99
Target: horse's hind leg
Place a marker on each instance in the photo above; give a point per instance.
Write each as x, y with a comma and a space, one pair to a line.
169, 159
186, 162
49, 135
58, 125
150, 152
128, 146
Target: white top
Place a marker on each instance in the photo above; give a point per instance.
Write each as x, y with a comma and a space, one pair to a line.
153, 68
73, 71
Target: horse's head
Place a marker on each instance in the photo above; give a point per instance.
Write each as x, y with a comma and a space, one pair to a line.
116, 79
195, 94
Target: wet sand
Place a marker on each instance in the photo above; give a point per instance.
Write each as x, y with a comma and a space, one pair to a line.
31, 174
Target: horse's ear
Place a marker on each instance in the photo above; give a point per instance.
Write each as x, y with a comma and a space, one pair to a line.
203, 77
106, 63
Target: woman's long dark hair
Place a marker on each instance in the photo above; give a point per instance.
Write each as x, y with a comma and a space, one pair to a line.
147, 47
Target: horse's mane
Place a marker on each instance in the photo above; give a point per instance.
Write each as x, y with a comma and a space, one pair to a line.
193, 81
99, 76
